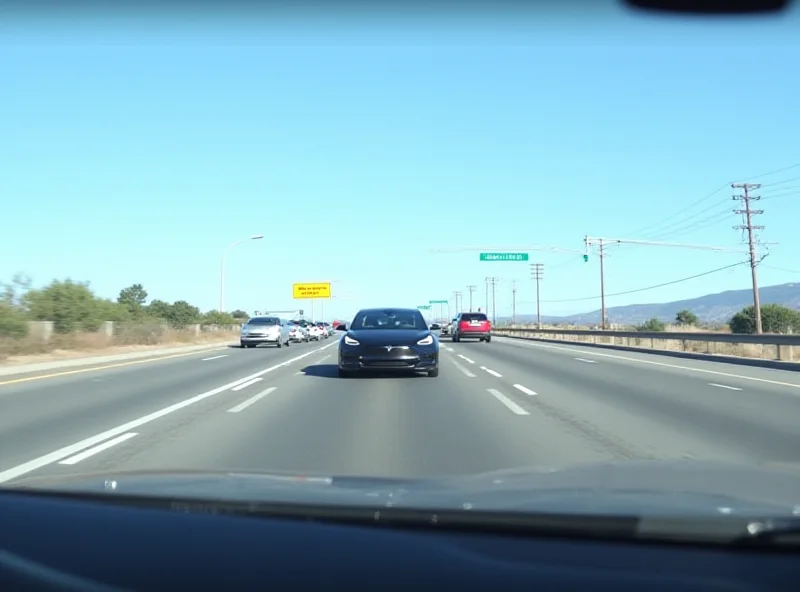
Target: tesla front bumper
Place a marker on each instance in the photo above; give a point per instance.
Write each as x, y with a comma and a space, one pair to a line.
414, 358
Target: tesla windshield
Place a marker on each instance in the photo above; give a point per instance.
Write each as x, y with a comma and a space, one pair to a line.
388, 319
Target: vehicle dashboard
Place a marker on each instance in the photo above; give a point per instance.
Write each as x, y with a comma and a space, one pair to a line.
62, 543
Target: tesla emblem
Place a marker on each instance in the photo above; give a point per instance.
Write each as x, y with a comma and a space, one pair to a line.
389, 348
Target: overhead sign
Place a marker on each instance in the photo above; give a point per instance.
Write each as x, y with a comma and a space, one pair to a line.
424, 307
438, 301
319, 290
504, 256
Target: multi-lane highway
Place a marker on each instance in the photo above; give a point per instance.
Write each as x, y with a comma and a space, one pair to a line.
504, 404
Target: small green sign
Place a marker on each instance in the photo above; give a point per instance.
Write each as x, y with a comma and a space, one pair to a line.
424, 307
438, 301
504, 256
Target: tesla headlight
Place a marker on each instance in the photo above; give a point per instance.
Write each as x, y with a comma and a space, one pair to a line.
425, 340
350, 341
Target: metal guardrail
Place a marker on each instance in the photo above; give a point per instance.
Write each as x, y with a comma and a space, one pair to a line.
764, 339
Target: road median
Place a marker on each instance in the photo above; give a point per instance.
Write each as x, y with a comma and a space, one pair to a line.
767, 350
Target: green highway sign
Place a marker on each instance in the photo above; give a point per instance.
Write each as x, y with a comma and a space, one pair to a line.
438, 301
504, 256
424, 307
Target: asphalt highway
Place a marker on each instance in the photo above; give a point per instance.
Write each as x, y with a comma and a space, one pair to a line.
504, 404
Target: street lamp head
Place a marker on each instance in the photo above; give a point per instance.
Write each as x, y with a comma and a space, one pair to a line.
256, 236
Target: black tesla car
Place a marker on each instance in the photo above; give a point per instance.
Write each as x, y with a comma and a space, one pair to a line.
388, 339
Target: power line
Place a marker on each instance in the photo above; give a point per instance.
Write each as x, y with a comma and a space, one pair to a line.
471, 290
686, 279
650, 228
493, 281
514, 302
537, 270
746, 198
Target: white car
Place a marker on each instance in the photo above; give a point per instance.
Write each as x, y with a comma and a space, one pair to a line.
260, 330
314, 332
297, 333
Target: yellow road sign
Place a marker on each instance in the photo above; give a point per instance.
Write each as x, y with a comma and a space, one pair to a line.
318, 290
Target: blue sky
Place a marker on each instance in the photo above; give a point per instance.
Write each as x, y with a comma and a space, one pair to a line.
135, 155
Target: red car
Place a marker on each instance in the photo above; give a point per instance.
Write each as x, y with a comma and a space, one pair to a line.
472, 325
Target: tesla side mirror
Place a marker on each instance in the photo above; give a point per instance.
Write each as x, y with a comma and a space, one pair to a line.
436, 327
341, 327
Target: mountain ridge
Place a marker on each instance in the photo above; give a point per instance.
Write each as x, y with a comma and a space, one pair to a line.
709, 308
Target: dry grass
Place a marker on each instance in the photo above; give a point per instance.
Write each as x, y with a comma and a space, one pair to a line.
127, 339
744, 350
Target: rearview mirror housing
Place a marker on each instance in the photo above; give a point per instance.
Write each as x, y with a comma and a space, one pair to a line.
341, 327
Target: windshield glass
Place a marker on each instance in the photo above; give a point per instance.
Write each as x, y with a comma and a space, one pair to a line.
388, 320
608, 200
264, 321
473, 316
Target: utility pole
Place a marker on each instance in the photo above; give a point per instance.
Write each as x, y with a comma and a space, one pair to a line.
493, 281
457, 296
601, 253
537, 270
471, 290
752, 241
603, 243
514, 303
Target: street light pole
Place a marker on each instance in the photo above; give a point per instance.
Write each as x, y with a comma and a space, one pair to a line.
222, 267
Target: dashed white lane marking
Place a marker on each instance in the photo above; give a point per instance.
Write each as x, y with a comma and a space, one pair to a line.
61, 453
492, 372
515, 342
214, 358
450, 349
322, 359
251, 400
508, 402
244, 385
463, 369
466, 358
92, 451
587, 361
725, 386
525, 390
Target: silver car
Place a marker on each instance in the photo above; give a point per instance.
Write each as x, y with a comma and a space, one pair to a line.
258, 330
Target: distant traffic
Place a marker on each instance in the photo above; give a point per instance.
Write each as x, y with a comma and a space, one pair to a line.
271, 330
396, 340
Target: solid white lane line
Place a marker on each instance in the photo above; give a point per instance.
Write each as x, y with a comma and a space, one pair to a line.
251, 400
508, 402
244, 385
492, 372
517, 343
725, 386
464, 370
466, 358
214, 358
61, 453
525, 390
92, 451
587, 361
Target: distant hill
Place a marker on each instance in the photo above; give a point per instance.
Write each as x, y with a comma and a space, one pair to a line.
711, 308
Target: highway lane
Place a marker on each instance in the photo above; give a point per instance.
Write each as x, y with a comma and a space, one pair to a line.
494, 406
650, 405
40, 415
